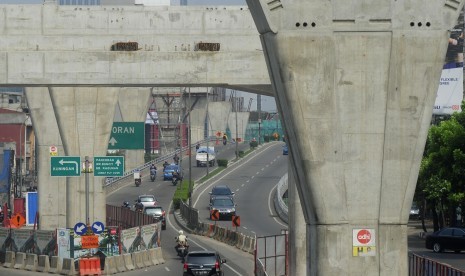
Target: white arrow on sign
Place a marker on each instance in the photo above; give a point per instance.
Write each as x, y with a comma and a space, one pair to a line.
98, 227
69, 162
112, 141
79, 229
118, 162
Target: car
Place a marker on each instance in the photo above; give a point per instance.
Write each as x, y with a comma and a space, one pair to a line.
449, 238
414, 212
285, 150
220, 190
168, 171
203, 263
159, 215
147, 200
225, 206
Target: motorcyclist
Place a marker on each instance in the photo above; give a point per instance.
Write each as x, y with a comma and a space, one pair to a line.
165, 164
139, 206
126, 205
153, 170
176, 158
181, 240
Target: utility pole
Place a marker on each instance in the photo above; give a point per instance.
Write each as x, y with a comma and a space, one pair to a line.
237, 134
190, 147
259, 109
208, 132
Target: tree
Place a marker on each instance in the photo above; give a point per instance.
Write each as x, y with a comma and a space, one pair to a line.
441, 181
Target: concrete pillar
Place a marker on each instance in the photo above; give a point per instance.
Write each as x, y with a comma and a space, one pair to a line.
297, 231
242, 121
85, 117
52, 200
356, 96
218, 113
134, 104
198, 124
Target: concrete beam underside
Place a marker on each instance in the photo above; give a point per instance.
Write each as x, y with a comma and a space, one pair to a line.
357, 101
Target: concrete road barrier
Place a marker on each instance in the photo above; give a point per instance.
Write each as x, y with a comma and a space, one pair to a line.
9, 259
147, 258
119, 260
68, 267
138, 259
31, 262
56, 264
20, 260
128, 261
159, 254
153, 256
110, 266
43, 263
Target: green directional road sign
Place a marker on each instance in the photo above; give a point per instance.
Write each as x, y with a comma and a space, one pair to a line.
65, 166
127, 135
109, 166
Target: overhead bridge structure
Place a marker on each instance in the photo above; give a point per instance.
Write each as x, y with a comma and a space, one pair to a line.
354, 80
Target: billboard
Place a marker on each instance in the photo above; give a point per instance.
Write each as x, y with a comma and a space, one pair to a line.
450, 92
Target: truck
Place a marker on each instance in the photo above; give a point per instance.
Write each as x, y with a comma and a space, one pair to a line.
201, 156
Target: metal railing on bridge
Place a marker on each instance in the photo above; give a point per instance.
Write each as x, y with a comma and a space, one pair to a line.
126, 218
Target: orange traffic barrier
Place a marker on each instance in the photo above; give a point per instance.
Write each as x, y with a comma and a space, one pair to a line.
89, 266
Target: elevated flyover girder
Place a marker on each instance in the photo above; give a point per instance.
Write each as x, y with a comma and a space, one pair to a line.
48, 45
356, 82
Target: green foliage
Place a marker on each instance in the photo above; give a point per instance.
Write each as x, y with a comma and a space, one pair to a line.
241, 153
266, 138
253, 144
181, 193
222, 163
441, 180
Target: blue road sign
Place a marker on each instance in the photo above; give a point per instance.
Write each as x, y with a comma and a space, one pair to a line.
80, 228
97, 227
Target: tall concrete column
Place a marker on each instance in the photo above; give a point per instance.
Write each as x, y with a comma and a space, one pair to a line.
52, 200
134, 104
356, 93
297, 232
85, 117
218, 113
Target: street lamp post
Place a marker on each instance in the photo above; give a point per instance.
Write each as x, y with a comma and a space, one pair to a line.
190, 155
259, 131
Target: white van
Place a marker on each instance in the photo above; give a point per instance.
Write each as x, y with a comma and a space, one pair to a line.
201, 156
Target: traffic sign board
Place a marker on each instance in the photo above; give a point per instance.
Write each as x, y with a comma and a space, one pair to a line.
127, 135
108, 166
214, 215
97, 227
80, 228
236, 221
65, 166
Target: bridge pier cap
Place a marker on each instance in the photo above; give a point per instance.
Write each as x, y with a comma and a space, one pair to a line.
356, 83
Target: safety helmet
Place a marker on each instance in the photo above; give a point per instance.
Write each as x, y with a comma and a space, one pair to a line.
126, 203
181, 232
138, 200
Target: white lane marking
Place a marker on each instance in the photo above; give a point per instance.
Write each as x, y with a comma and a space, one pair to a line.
257, 173
267, 165
167, 269
226, 174
263, 169
237, 190
243, 184
244, 227
269, 206
247, 181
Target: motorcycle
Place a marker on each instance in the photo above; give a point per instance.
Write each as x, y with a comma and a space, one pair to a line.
153, 174
182, 250
175, 179
137, 178
126, 205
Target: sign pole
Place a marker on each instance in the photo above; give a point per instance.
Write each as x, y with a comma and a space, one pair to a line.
87, 189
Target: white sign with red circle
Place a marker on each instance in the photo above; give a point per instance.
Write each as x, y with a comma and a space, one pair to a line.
363, 237
53, 151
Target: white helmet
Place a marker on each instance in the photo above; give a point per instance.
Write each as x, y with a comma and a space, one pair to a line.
180, 232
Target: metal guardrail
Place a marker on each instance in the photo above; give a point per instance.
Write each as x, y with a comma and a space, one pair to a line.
421, 266
109, 181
